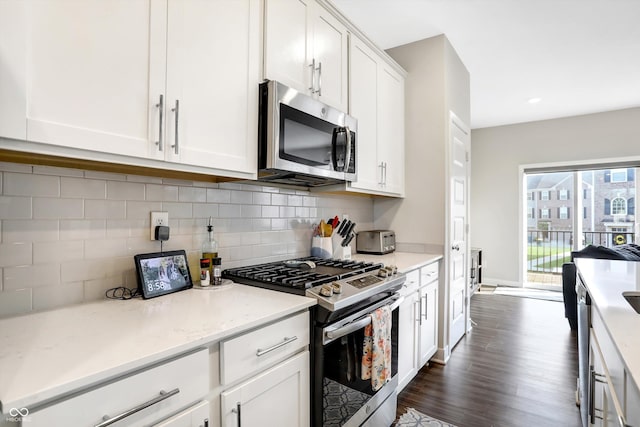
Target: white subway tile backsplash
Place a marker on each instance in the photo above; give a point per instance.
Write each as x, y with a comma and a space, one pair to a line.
216, 195
241, 197
17, 207
125, 190
162, 193
31, 276
25, 230
68, 235
250, 211
142, 210
192, 194
49, 208
105, 248
20, 184
13, 303
95, 209
15, 167
178, 210
57, 251
53, 170
205, 210
12, 254
81, 188
105, 175
46, 298
83, 229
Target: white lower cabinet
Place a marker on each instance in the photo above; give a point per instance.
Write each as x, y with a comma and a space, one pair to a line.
195, 416
279, 395
139, 399
418, 322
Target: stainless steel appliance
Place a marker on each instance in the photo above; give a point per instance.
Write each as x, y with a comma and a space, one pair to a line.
302, 141
339, 396
378, 242
585, 371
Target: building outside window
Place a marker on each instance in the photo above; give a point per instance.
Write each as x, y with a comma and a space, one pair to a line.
544, 214
544, 195
563, 195
530, 195
563, 212
531, 213
618, 175
618, 206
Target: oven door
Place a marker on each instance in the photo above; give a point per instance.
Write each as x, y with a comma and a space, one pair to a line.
341, 396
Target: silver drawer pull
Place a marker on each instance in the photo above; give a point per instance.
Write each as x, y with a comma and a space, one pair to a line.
286, 341
163, 396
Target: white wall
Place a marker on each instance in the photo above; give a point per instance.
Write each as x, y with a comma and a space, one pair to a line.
67, 235
498, 152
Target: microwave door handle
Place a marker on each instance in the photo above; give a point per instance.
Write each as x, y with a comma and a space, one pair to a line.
347, 160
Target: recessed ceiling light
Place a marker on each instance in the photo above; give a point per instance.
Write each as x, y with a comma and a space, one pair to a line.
534, 100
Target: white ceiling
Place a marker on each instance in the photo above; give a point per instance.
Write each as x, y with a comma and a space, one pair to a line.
578, 56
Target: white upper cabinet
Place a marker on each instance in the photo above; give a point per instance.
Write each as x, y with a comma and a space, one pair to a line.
91, 72
306, 48
376, 99
213, 72
115, 77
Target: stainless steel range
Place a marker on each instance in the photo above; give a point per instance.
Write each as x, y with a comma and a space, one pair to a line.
348, 292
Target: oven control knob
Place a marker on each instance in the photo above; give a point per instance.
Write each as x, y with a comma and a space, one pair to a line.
383, 272
326, 290
392, 269
336, 287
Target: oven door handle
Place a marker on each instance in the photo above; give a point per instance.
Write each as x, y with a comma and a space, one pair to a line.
357, 324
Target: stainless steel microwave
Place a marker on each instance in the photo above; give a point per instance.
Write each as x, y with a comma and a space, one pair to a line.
302, 141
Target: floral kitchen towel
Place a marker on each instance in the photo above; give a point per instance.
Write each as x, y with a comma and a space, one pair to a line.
376, 351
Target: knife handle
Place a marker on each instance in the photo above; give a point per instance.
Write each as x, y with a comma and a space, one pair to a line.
350, 229
344, 225
348, 240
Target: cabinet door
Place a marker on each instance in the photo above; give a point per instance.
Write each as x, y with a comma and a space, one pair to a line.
632, 403
287, 46
391, 129
196, 416
330, 44
212, 83
281, 394
408, 340
92, 72
428, 322
363, 105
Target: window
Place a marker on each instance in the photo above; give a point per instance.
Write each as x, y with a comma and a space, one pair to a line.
563, 212
544, 195
545, 214
618, 175
584, 212
563, 195
530, 195
531, 213
618, 206
585, 193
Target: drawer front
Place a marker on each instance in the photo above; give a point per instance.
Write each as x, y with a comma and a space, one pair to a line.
189, 375
411, 284
429, 273
246, 354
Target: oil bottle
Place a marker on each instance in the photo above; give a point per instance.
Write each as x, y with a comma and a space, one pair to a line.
210, 247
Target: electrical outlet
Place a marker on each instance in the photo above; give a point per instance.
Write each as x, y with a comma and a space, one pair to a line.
158, 218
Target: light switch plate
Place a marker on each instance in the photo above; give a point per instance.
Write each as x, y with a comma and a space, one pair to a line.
158, 218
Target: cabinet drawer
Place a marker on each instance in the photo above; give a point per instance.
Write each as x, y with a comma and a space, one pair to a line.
411, 283
189, 375
429, 273
254, 351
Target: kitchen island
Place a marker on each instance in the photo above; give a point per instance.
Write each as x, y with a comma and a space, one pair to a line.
614, 339
51, 356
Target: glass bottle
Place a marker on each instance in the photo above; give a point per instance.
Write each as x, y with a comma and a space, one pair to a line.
210, 247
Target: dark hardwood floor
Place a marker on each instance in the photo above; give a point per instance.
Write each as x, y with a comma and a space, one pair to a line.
517, 368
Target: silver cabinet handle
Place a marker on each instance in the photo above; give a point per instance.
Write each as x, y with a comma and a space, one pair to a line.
426, 304
176, 110
160, 106
381, 182
417, 304
319, 90
236, 411
261, 352
163, 396
313, 76
384, 167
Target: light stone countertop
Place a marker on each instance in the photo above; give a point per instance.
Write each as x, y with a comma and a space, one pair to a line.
606, 280
405, 261
47, 354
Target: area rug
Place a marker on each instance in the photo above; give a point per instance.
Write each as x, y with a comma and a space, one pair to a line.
413, 418
529, 293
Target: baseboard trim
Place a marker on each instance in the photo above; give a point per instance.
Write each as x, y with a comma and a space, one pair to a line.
490, 281
442, 356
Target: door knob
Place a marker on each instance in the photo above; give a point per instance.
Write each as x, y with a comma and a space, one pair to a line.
455, 247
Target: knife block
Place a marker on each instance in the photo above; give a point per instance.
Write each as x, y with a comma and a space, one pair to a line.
322, 247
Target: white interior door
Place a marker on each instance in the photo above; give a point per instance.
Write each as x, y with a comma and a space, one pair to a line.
459, 144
